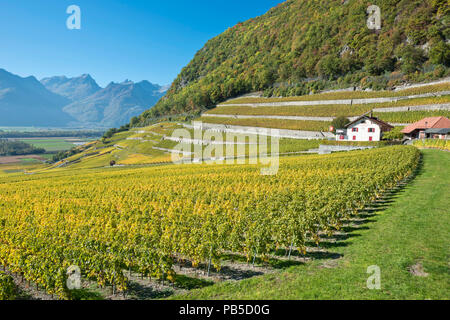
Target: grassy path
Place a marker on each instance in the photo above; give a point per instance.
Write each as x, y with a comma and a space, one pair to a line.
414, 229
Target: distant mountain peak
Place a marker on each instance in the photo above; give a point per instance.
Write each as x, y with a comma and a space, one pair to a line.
116, 104
76, 88
26, 102
60, 100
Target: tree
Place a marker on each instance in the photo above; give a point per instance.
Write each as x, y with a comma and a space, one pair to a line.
134, 121
108, 134
394, 134
329, 67
440, 54
339, 123
412, 58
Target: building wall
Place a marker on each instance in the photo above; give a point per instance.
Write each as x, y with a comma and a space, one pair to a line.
363, 133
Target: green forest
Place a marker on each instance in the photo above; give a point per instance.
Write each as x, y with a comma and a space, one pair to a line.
303, 46
17, 148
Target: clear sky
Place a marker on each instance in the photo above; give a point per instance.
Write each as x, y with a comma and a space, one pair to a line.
118, 40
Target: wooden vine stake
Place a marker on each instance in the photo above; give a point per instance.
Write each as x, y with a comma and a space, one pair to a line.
254, 257
290, 249
209, 263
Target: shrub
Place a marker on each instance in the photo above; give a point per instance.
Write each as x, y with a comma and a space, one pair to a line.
339, 123
440, 54
394, 134
8, 290
412, 58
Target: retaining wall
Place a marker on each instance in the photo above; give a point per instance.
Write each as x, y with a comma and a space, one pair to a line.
280, 133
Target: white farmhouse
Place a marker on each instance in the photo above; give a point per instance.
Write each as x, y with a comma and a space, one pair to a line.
365, 128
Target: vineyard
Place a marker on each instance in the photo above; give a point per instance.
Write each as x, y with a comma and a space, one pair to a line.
152, 146
410, 117
8, 288
110, 223
433, 144
284, 145
435, 88
314, 113
301, 125
323, 110
313, 125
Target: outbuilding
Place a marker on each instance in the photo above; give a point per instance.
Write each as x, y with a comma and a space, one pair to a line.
442, 134
427, 128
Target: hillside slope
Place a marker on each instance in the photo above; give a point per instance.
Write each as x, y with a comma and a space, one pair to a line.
302, 45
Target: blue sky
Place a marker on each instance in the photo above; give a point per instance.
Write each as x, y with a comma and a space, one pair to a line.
118, 40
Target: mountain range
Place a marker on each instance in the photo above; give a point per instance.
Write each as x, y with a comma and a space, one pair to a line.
72, 88
26, 102
116, 104
68, 102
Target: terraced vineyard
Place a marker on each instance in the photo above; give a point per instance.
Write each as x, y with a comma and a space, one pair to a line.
112, 222
411, 116
302, 125
324, 110
153, 146
428, 89
315, 112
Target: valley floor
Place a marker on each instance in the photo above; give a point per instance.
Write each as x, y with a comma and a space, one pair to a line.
407, 236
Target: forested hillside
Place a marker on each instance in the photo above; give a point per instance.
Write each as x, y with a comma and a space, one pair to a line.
308, 45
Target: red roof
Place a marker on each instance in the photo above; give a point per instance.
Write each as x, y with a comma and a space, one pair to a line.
428, 123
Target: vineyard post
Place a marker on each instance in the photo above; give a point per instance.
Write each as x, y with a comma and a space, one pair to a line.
290, 249
209, 264
113, 283
254, 257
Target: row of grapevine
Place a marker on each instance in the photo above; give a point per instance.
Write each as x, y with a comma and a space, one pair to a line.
8, 290
311, 125
109, 221
271, 123
411, 116
434, 88
433, 143
331, 110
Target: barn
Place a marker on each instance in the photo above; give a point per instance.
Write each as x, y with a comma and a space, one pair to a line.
365, 128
